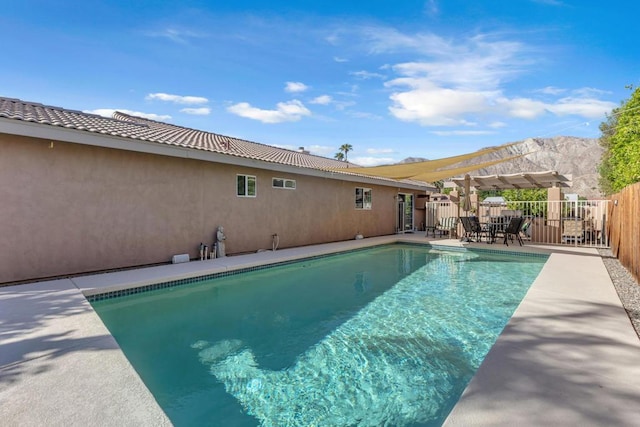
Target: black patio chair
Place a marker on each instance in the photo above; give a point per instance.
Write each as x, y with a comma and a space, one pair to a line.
468, 229
513, 230
524, 230
472, 228
478, 228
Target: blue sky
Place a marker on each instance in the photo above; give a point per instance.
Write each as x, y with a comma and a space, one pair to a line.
394, 79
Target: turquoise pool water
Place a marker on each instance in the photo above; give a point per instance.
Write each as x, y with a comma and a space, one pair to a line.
387, 336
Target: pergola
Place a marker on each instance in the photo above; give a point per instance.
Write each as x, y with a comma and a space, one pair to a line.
516, 181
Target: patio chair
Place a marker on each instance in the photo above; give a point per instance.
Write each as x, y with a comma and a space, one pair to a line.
478, 228
525, 230
572, 230
513, 230
447, 225
472, 227
468, 229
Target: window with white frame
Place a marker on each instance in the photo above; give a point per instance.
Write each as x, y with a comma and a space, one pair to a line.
283, 183
246, 185
363, 198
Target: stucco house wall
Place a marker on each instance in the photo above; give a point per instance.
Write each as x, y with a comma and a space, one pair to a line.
69, 208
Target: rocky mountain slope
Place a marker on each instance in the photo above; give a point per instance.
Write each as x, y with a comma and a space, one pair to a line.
578, 157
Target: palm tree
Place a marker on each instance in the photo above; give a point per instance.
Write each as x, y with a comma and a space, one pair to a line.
339, 156
345, 148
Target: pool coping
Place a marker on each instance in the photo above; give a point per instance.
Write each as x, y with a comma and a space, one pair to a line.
53, 340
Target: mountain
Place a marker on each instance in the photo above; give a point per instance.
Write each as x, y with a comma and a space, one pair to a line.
567, 155
412, 160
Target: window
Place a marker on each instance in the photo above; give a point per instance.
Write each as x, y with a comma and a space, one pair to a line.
284, 183
363, 198
246, 185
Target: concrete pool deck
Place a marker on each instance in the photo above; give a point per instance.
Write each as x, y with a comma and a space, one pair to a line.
568, 356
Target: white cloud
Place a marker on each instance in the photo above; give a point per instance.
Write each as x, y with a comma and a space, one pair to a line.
389, 40
372, 161
321, 100
290, 111
551, 90
366, 75
322, 150
295, 87
175, 35
202, 111
523, 108
465, 80
585, 107
587, 92
177, 99
363, 115
431, 105
338, 59
333, 39
461, 80
342, 105
497, 125
480, 65
379, 150
108, 112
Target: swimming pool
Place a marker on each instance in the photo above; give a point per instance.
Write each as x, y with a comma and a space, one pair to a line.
385, 336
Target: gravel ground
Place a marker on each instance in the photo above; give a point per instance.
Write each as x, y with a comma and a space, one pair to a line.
627, 287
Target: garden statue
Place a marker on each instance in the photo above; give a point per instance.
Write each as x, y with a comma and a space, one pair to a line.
220, 238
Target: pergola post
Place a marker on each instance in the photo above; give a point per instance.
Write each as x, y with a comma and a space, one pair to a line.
475, 203
454, 197
554, 213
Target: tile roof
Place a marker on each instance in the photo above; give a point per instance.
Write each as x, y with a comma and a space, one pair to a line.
137, 128
141, 129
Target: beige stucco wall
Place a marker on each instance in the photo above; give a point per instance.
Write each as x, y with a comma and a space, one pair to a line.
75, 208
